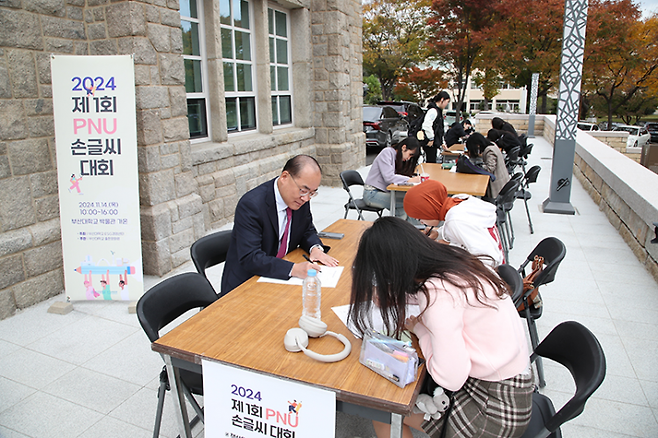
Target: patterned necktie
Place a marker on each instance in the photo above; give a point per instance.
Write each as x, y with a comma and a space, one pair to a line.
283, 247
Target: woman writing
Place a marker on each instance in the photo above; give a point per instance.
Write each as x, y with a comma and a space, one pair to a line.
467, 318
393, 165
493, 161
470, 222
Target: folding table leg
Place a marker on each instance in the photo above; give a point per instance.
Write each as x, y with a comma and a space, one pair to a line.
396, 425
392, 203
177, 391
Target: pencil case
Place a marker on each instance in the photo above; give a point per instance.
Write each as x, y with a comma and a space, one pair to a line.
394, 360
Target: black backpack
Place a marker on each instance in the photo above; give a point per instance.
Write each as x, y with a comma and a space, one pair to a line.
415, 126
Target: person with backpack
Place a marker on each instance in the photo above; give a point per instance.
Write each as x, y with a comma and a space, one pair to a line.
433, 125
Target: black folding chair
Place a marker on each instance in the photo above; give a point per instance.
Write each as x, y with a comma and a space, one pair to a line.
353, 178
553, 251
158, 307
574, 346
530, 178
512, 277
504, 203
210, 250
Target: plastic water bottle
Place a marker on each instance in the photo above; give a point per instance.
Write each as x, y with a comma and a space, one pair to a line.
311, 295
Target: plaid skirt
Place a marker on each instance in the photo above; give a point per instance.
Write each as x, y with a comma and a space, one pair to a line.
487, 409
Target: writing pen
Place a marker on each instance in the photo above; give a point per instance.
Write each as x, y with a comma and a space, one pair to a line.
427, 233
309, 260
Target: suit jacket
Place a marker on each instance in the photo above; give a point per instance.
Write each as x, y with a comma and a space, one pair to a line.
255, 238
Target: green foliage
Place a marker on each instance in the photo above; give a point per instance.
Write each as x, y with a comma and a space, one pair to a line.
373, 93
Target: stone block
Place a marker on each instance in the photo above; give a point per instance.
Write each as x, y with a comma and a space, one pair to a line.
172, 70
170, 17
20, 29
29, 156
176, 129
12, 120
15, 241
169, 148
142, 75
180, 257
125, 19
169, 161
75, 13
5, 83
156, 257
12, 271
98, 14
45, 91
176, 38
92, 3
17, 210
7, 304
23, 72
156, 187
46, 232
185, 184
43, 70
60, 308
103, 47
152, 14
96, 31
132, 307
139, 46
156, 222
37, 289
182, 240
38, 107
182, 225
41, 126
173, 209
63, 28
47, 208
159, 36
56, 8
149, 127
178, 100
189, 205
43, 259
186, 156
148, 159
152, 97
5, 168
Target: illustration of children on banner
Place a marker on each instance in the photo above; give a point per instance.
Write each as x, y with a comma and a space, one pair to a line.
122, 268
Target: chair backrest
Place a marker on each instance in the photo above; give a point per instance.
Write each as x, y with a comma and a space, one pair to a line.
512, 277
350, 178
574, 346
171, 298
210, 250
553, 251
507, 193
531, 175
513, 154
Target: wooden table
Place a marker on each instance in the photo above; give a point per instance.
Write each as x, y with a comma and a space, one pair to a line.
454, 151
246, 328
456, 183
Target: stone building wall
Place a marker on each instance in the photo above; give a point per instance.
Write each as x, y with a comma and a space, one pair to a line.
186, 189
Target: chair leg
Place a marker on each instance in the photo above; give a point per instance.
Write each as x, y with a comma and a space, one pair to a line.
503, 239
195, 404
346, 211
527, 211
511, 229
162, 391
534, 340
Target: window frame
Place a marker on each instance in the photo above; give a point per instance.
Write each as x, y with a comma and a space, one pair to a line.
274, 63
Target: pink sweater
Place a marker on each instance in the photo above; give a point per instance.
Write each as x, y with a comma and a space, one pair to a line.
461, 340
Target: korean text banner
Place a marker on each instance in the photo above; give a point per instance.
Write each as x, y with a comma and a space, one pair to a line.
240, 403
95, 133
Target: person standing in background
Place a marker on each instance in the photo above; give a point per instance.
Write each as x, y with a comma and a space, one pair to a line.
433, 125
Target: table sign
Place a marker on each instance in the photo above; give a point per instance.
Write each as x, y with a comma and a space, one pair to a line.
97, 174
244, 404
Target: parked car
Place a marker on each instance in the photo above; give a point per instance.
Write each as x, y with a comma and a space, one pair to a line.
450, 117
652, 127
604, 126
408, 110
383, 124
586, 126
638, 136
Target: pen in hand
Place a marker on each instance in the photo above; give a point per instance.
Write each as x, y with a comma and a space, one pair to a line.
309, 260
427, 233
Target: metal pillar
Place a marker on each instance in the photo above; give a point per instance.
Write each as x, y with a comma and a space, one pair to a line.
533, 105
571, 69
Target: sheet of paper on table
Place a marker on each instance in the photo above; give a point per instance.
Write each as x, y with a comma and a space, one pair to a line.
329, 277
378, 323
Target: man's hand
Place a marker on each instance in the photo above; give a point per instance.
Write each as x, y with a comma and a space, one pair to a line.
318, 255
300, 270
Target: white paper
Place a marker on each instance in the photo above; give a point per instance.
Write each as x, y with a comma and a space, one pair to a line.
329, 277
377, 321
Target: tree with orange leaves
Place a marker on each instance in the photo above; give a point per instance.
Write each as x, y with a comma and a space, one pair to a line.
420, 84
621, 55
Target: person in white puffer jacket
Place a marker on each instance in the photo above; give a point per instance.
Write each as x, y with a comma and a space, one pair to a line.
468, 222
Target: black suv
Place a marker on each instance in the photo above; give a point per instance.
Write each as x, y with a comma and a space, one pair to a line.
408, 110
652, 127
383, 125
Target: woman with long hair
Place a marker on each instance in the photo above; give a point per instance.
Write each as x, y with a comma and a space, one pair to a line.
394, 165
492, 161
468, 329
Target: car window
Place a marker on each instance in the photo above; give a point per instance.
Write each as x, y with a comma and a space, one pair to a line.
371, 113
652, 126
390, 113
643, 131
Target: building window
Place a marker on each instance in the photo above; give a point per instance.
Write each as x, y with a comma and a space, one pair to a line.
279, 67
236, 36
195, 68
508, 106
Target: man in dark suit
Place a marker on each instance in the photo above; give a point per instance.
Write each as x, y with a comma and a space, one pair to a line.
272, 220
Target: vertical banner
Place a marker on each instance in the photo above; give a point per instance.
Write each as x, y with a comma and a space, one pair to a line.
97, 173
245, 404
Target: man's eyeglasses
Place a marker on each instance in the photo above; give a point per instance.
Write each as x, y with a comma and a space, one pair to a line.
304, 192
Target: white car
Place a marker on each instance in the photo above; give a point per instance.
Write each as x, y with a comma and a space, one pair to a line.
638, 136
586, 126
